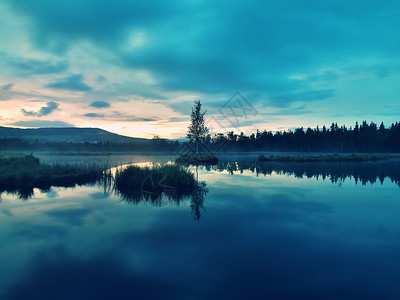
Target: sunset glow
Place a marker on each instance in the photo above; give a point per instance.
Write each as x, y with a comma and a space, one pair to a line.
135, 68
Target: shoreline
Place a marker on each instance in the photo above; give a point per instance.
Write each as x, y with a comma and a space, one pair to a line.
256, 155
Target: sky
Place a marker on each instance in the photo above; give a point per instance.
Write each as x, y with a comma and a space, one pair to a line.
136, 67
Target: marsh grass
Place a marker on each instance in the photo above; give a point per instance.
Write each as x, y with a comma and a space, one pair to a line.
159, 184
136, 183
21, 175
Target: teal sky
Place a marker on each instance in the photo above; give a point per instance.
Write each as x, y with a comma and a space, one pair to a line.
135, 67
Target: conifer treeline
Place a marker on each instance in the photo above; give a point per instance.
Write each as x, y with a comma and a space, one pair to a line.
362, 138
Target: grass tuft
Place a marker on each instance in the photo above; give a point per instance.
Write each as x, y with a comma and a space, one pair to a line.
172, 180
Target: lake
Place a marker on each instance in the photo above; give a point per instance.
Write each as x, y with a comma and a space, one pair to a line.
279, 231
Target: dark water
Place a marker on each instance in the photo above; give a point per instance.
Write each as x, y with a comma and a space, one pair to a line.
272, 231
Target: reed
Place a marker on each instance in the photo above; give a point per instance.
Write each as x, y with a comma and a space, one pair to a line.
136, 182
22, 174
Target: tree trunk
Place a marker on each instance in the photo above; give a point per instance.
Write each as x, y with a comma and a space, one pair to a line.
197, 148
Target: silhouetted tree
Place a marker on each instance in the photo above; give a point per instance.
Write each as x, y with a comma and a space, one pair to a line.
197, 130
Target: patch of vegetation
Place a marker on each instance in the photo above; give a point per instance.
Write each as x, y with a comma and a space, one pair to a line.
204, 159
22, 174
136, 183
327, 157
149, 184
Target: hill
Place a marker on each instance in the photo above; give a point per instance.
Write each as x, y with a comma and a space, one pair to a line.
68, 134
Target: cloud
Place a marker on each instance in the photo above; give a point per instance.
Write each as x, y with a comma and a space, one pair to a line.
72, 83
93, 115
58, 25
276, 54
381, 70
130, 118
44, 111
308, 95
134, 119
6, 87
37, 67
294, 111
42, 123
256, 49
101, 79
119, 117
5, 91
100, 104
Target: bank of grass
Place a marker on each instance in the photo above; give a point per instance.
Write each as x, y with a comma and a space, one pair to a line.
188, 159
22, 174
329, 157
136, 182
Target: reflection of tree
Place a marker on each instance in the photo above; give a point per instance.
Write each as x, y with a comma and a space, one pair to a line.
197, 199
25, 192
161, 195
364, 172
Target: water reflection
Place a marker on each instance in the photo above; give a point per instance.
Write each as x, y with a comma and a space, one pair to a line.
363, 172
197, 199
336, 172
275, 237
163, 195
157, 195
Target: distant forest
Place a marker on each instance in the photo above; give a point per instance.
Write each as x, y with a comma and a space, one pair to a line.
153, 145
362, 138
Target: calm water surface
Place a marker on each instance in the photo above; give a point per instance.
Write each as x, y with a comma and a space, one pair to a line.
259, 236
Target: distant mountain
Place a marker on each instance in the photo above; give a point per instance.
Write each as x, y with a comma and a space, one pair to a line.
67, 134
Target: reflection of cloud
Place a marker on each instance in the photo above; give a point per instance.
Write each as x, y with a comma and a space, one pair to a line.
252, 243
51, 194
100, 277
44, 111
99, 195
72, 216
284, 204
7, 212
29, 231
